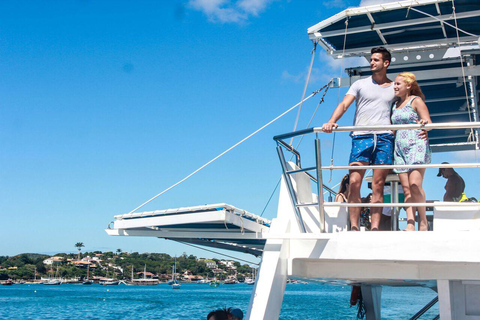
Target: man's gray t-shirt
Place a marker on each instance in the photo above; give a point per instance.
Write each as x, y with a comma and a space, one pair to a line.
373, 104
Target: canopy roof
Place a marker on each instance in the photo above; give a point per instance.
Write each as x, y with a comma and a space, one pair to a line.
422, 38
398, 26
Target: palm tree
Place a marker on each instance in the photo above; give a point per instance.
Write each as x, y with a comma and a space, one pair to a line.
79, 246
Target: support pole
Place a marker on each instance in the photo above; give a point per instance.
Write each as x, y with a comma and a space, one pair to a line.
319, 184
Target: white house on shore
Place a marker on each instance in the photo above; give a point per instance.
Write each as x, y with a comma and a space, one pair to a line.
52, 260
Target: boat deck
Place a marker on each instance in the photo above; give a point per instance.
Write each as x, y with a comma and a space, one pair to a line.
216, 225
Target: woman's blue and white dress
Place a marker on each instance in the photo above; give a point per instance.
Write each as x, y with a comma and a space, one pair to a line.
409, 148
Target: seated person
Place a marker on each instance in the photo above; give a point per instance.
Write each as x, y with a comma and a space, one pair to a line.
454, 186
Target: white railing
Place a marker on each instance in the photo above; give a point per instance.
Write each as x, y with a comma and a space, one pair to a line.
319, 168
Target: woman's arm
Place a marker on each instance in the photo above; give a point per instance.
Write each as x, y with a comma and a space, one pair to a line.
421, 108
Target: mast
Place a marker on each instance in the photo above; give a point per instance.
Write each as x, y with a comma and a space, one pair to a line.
175, 269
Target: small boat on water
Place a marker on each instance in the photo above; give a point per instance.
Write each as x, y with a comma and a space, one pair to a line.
251, 281
143, 281
8, 282
174, 283
110, 282
87, 281
230, 281
53, 282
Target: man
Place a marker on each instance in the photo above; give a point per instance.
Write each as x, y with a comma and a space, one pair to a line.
454, 186
374, 97
237, 314
220, 314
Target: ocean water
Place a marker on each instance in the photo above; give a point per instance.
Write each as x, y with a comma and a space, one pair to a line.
194, 301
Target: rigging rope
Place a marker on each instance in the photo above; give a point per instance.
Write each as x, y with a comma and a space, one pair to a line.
228, 150
298, 145
305, 88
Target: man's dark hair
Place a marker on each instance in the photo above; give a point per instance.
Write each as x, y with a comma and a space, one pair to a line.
218, 314
385, 53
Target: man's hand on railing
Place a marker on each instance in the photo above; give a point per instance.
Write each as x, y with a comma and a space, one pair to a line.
423, 134
329, 126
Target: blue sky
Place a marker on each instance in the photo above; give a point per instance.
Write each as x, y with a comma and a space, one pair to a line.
106, 103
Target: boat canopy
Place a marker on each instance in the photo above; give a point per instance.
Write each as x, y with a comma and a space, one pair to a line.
422, 37
216, 225
398, 26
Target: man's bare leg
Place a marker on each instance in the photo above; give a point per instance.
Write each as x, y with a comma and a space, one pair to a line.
378, 182
356, 178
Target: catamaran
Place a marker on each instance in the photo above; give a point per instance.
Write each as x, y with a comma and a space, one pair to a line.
309, 239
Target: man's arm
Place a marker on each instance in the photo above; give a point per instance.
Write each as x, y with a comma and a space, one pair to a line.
338, 113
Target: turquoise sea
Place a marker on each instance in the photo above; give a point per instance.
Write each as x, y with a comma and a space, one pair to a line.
193, 301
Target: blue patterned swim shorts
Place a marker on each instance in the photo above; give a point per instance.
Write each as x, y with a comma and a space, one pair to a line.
373, 149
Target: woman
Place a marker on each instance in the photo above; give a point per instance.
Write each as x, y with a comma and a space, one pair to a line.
410, 108
342, 194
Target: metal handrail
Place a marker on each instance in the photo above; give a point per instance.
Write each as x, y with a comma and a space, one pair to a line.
292, 150
297, 155
319, 168
401, 205
389, 204
404, 166
431, 126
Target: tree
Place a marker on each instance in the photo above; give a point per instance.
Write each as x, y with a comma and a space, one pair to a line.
79, 246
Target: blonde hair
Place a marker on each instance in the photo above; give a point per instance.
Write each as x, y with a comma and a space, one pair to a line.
412, 82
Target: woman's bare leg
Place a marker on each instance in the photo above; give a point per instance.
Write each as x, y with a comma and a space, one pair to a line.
415, 178
408, 198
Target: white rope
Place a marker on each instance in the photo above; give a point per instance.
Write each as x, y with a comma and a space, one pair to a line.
224, 152
305, 88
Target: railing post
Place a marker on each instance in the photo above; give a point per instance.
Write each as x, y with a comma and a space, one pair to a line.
396, 210
319, 184
290, 188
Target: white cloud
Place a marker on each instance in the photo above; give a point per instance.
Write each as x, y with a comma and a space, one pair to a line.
226, 11
293, 77
330, 68
253, 7
343, 4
